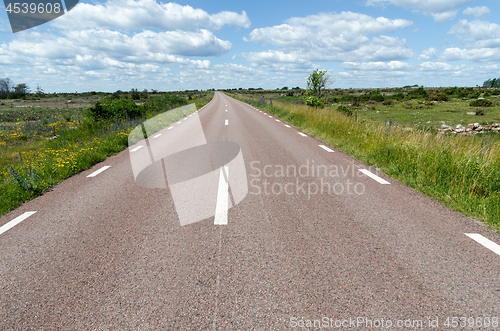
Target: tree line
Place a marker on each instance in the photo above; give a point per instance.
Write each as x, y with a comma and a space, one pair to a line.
8, 90
494, 82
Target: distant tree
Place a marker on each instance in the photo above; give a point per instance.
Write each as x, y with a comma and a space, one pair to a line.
5, 86
495, 82
39, 91
284, 88
22, 88
296, 88
317, 81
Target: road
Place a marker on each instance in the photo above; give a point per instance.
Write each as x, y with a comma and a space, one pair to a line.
314, 240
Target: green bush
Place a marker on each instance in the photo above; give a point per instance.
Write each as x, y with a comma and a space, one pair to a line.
481, 103
111, 108
438, 97
313, 101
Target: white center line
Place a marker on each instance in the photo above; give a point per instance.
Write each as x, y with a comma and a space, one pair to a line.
227, 122
303, 134
95, 173
226, 110
159, 134
326, 148
373, 176
288, 126
222, 197
137, 148
16, 221
485, 242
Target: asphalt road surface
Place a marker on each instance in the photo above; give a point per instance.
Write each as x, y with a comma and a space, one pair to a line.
318, 241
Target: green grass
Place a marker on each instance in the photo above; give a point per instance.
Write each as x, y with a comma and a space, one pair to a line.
460, 172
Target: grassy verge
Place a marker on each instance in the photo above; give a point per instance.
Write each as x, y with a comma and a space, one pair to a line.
34, 156
461, 173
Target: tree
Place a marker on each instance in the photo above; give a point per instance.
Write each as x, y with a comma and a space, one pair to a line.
318, 81
39, 91
5, 85
22, 88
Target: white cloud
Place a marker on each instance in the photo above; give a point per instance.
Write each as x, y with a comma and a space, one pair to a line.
477, 11
477, 33
440, 10
330, 37
377, 66
428, 54
480, 41
145, 14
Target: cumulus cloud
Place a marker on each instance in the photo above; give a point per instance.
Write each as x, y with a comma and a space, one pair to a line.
331, 37
376, 66
440, 10
480, 41
428, 54
146, 14
477, 11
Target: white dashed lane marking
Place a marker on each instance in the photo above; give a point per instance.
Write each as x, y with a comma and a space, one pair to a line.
159, 134
485, 242
373, 176
227, 122
95, 173
302, 134
137, 148
222, 205
326, 148
16, 221
288, 126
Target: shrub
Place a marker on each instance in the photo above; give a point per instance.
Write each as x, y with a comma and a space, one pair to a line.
419, 93
481, 103
481, 111
438, 96
313, 101
110, 108
388, 103
344, 110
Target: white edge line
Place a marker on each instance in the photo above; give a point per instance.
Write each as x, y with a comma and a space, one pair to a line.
326, 148
288, 126
222, 198
485, 242
302, 134
277, 120
170, 128
373, 176
95, 173
159, 134
16, 221
137, 148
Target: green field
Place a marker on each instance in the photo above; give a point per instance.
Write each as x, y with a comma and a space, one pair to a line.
44, 140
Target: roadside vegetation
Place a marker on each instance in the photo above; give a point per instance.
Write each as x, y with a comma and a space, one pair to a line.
396, 131
46, 138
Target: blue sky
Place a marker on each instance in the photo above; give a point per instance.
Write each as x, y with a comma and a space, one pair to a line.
148, 44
